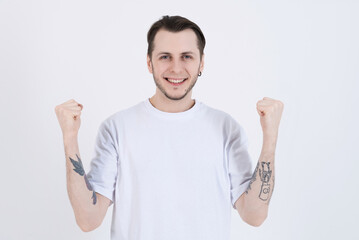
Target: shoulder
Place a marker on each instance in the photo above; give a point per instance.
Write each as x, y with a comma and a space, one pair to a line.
231, 128
220, 116
118, 117
215, 112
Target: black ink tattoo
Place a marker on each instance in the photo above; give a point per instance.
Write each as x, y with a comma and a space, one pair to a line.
253, 178
272, 191
265, 176
80, 170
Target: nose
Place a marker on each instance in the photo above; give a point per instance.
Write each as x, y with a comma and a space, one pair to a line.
176, 66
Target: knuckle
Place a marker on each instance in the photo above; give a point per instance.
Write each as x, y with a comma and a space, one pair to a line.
279, 104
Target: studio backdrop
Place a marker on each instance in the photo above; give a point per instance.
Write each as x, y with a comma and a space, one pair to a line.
304, 53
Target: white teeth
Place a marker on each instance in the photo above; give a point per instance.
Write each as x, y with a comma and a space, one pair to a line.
175, 81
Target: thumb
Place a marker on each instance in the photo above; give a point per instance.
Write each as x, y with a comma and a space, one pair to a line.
260, 112
76, 115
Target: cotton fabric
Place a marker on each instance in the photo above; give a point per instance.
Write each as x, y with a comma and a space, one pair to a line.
171, 175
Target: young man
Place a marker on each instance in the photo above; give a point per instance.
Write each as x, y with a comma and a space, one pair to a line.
172, 166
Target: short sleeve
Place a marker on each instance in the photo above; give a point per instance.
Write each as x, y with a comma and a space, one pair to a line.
103, 171
239, 161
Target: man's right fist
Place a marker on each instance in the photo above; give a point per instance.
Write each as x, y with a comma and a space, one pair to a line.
68, 114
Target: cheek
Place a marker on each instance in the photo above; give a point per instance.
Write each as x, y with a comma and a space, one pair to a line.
193, 69
160, 68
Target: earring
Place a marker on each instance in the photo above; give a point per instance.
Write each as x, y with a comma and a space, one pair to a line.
200, 74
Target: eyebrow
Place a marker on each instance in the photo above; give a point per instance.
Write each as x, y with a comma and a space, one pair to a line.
188, 52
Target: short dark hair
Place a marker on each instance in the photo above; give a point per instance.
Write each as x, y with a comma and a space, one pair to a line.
174, 24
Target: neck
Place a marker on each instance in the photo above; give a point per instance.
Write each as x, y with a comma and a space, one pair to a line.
172, 106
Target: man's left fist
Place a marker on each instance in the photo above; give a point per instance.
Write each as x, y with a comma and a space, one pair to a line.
270, 112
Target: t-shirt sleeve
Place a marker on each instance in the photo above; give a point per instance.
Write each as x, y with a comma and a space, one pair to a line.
103, 171
239, 161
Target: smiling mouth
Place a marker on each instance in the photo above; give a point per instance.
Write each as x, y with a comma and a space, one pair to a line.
176, 80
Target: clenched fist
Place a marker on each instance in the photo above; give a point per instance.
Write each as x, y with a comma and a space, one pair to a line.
270, 112
68, 114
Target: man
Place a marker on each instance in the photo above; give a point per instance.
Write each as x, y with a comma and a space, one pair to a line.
171, 165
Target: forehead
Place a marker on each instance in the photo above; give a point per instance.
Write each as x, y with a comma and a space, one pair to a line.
182, 41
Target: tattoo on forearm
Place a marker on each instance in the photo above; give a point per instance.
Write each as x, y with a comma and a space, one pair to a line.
272, 190
265, 176
80, 170
253, 178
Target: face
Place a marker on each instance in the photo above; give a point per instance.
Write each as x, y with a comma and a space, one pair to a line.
175, 63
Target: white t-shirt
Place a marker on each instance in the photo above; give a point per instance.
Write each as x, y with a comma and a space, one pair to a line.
171, 176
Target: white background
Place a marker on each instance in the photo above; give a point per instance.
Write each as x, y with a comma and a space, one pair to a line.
304, 53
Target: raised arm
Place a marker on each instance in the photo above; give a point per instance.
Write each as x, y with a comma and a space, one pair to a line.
89, 207
253, 205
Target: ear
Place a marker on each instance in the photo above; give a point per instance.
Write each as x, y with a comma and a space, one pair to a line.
149, 64
202, 63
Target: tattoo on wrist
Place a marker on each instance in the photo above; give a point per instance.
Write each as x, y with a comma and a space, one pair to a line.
80, 170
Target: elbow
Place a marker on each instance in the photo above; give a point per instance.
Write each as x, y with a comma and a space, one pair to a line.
255, 218
87, 226
256, 221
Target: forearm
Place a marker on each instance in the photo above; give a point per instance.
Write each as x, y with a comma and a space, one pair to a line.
253, 205
261, 186
82, 197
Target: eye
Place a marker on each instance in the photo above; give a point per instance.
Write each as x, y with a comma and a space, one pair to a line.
187, 56
164, 57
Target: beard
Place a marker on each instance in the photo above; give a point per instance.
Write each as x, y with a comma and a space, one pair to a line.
163, 90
